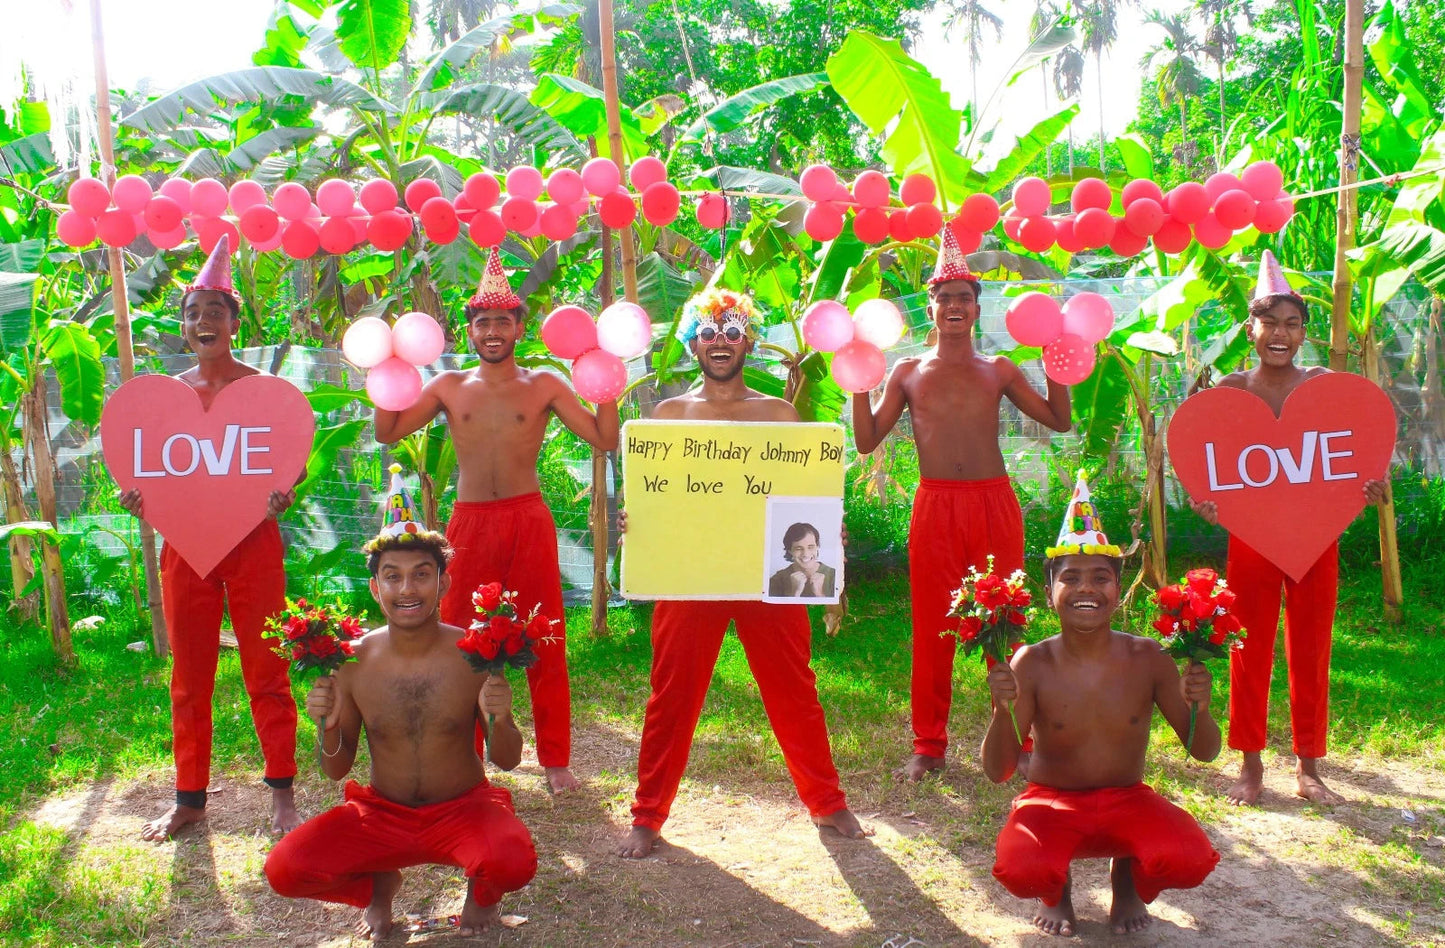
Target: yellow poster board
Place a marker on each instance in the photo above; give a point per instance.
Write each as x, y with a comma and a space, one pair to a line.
704, 497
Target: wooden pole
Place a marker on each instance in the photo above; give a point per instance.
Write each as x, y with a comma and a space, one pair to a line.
614, 135
124, 344
1347, 208
36, 409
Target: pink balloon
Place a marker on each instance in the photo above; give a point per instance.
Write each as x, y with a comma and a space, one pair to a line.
519, 214
75, 229
616, 210
713, 211
600, 176
1126, 243
259, 223
210, 230
1235, 209
1141, 188
565, 186
524, 182
924, 219
1069, 360
898, 227
823, 221
394, 385
1263, 180
661, 203
418, 339
1034, 319
878, 322
645, 172
818, 182
419, 192
292, 201
337, 236
917, 189
163, 214
1188, 202
568, 331
378, 195
367, 343
979, 213
871, 189
1143, 216
1091, 193
1037, 234
1095, 227
131, 192
487, 229
1032, 197
299, 240
624, 330
246, 194
827, 326
88, 197
438, 214
859, 366
1088, 316
599, 376
870, 225
1271, 216
335, 197
116, 228
968, 240
173, 238
1173, 236
209, 198
1219, 182
1211, 233
1066, 234
558, 222
178, 190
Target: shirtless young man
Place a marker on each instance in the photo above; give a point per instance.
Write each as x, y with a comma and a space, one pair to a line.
965, 507
687, 635
1089, 695
1276, 326
501, 528
250, 582
428, 801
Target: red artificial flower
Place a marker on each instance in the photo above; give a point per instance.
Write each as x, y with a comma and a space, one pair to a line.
514, 642
539, 627
1170, 598
1202, 581
1016, 616
1022, 598
351, 627
990, 592
1218, 636
1229, 622
347, 649
488, 597
301, 604
500, 626
298, 652
1164, 625
295, 628
1225, 598
488, 649
969, 627
1196, 607
323, 646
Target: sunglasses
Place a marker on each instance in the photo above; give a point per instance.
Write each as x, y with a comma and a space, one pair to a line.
732, 335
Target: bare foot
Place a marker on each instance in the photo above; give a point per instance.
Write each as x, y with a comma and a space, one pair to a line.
1309, 785
476, 917
284, 817
639, 843
165, 826
1058, 919
1128, 914
919, 766
1247, 788
375, 922
845, 823
560, 780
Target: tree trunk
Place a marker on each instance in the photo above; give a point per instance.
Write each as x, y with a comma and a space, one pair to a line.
1219, 152
1049, 151
22, 566
1392, 586
1099, 82
38, 437
1347, 209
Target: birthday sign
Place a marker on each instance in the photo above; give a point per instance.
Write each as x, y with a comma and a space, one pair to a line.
1287, 486
698, 495
206, 477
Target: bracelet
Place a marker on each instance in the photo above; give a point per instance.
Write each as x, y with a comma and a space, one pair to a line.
321, 744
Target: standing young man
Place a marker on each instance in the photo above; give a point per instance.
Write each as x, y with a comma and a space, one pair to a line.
250, 583
501, 528
687, 635
965, 507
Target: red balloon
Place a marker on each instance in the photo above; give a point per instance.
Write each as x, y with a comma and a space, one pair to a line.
1091, 193
870, 224
842, 197
1173, 236
713, 211
420, 191
463, 207
616, 210
259, 223
1126, 243
389, 230
645, 172
519, 214
558, 221
898, 227
1188, 202
211, 231
1066, 234
445, 231
359, 224
487, 229
924, 220
75, 229
116, 228
871, 189
1037, 234
168, 239
481, 191
1143, 217
1094, 227
823, 221
1032, 197
661, 203
299, 240
1235, 209
1011, 224
88, 196
292, 201
818, 183
1141, 188
979, 212
1271, 216
1263, 180
162, 214
209, 198
564, 186
131, 192
337, 237
968, 240
1212, 234
1216, 184
437, 214
917, 189
378, 195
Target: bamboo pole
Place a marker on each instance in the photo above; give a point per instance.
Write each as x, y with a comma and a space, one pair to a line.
57, 614
1348, 205
125, 347
614, 135
1392, 585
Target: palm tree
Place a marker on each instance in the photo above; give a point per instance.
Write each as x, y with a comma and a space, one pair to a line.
1068, 83
1100, 20
1221, 40
975, 19
1176, 73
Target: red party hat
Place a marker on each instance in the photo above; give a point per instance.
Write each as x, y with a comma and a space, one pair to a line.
215, 273
951, 263
1271, 279
494, 292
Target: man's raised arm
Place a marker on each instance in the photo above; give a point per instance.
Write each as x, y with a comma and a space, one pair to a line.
392, 426
599, 430
871, 425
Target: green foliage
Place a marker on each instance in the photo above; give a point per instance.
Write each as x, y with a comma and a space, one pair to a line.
373, 32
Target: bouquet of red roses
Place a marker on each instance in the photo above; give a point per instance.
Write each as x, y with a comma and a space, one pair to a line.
313, 637
992, 613
500, 638
1197, 624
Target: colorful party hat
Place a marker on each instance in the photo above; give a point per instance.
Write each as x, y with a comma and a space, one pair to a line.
400, 515
494, 292
951, 263
1271, 279
215, 273
1083, 531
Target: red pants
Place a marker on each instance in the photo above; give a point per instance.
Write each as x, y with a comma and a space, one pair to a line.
250, 583
514, 542
956, 524
1048, 828
686, 639
332, 857
1309, 618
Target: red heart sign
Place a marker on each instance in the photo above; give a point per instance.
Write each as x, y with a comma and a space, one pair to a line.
205, 476
1287, 486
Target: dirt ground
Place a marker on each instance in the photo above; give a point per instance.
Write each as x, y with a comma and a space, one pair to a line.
742, 865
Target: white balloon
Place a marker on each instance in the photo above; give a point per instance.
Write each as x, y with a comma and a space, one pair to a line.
879, 322
367, 342
624, 330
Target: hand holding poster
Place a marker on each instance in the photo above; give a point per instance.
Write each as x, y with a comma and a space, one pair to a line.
733, 510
